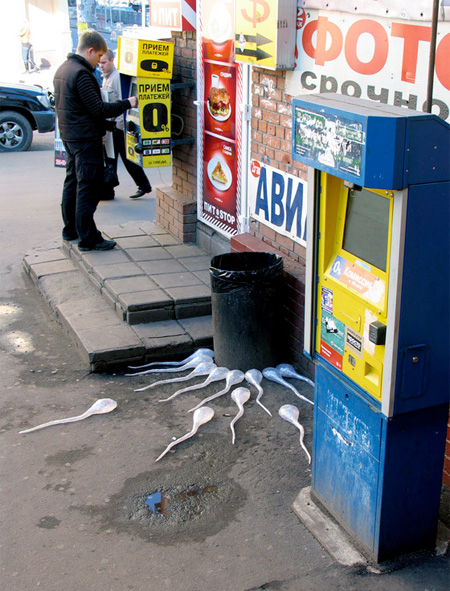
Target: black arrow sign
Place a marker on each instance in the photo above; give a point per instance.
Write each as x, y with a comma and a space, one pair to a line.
259, 54
258, 39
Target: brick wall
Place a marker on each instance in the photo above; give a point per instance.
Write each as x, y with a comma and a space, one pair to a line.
176, 206
184, 170
271, 135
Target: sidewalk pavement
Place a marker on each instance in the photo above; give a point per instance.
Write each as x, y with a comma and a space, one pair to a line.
147, 299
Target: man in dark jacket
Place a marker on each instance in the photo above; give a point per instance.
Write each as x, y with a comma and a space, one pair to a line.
82, 118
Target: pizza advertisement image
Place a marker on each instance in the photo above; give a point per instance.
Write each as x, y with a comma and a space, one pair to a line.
220, 99
217, 17
219, 182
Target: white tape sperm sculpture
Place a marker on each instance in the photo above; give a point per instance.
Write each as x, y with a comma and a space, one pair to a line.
201, 416
234, 376
100, 407
198, 353
290, 413
203, 369
196, 360
239, 396
254, 378
274, 375
219, 373
287, 371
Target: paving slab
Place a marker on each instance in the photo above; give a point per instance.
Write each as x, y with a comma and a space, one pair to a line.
136, 242
205, 277
156, 330
124, 285
185, 250
122, 230
185, 279
44, 256
143, 300
166, 239
156, 267
199, 329
190, 293
115, 271
39, 270
196, 263
108, 257
154, 253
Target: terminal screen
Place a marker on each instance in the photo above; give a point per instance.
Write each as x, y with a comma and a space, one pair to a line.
367, 227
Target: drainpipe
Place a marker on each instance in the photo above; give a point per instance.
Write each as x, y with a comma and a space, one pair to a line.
431, 62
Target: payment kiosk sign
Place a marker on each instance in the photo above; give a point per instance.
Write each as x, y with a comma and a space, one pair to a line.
334, 141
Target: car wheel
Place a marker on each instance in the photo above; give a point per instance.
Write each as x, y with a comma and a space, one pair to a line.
16, 133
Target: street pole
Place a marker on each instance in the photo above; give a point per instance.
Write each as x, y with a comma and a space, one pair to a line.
432, 59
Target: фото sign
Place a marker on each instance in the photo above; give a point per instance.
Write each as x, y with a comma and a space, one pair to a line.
380, 59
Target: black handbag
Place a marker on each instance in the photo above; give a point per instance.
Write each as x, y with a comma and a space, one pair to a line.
111, 179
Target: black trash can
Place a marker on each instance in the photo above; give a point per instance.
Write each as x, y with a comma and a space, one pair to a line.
246, 309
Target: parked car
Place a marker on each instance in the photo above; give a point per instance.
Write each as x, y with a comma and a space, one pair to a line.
23, 109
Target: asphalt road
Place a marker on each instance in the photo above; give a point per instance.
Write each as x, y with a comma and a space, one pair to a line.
73, 497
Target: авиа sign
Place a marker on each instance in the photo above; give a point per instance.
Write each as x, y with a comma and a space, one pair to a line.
278, 200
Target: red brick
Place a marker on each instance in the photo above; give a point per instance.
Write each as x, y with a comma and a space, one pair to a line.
271, 117
272, 141
280, 132
286, 121
258, 90
268, 105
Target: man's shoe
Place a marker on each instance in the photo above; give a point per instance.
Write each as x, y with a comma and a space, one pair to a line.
70, 237
103, 245
139, 193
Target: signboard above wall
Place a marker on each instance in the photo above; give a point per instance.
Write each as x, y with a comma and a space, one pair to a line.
381, 59
176, 15
265, 33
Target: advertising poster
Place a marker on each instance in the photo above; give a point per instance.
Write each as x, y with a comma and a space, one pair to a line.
217, 30
219, 190
328, 139
220, 86
220, 99
154, 115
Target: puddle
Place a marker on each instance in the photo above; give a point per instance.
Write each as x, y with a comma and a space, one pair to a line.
188, 502
8, 310
19, 342
159, 503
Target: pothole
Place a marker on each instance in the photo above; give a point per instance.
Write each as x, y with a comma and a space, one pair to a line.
189, 502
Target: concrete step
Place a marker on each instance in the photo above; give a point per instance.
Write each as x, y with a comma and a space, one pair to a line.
148, 299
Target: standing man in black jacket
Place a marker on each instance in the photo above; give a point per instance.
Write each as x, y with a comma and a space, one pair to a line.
82, 118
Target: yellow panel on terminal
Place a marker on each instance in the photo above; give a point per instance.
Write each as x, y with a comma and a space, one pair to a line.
353, 273
144, 58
